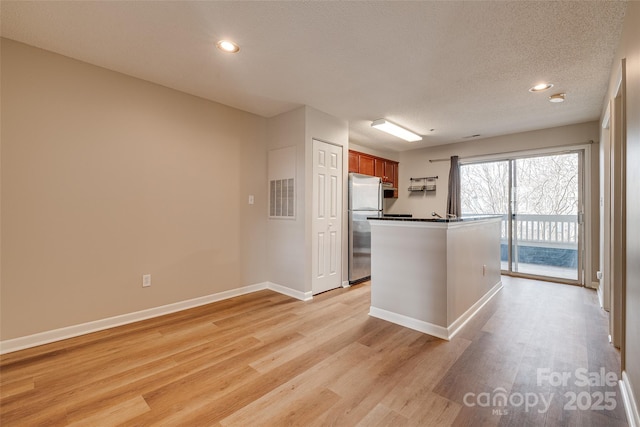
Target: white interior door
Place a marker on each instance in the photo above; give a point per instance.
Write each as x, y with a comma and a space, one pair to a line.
327, 217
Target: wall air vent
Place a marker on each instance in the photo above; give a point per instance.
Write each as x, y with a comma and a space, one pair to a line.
281, 198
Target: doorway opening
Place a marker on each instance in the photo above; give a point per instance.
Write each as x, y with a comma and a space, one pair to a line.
540, 199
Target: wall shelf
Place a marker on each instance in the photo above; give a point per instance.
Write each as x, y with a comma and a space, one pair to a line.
427, 183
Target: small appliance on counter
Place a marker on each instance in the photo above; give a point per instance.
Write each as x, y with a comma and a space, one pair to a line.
365, 200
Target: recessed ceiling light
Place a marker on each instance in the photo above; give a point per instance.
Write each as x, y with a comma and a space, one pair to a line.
541, 87
228, 46
558, 97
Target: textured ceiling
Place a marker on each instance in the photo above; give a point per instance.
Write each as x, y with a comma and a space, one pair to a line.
460, 68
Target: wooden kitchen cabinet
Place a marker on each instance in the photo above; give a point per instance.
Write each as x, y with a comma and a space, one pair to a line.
362, 163
378, 168
391, 172
386, 169
354, 162
367, 164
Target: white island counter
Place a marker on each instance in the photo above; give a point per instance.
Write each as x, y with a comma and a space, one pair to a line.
433, 275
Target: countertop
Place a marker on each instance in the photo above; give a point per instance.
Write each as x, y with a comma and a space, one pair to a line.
415, 219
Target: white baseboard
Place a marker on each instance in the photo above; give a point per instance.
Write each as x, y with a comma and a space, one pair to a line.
346, 284
600, 296
302, 296
410, 322
629, 400
21, 343
430, 328
457, 324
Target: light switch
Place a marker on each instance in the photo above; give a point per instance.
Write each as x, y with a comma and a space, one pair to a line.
251, 199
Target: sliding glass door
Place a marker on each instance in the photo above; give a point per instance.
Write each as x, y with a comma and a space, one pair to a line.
484, 190
540, 201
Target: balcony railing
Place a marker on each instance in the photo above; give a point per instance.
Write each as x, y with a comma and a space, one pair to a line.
545, 245
558, 231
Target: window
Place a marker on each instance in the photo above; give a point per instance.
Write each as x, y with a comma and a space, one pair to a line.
540, 200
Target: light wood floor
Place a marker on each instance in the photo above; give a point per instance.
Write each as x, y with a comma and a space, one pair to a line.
266, 359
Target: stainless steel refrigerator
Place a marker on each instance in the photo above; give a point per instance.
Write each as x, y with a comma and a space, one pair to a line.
365, 200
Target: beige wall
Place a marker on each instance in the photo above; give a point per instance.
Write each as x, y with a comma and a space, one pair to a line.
629, 48
289, 243
415, 163
286, 236
106, 177
391, 155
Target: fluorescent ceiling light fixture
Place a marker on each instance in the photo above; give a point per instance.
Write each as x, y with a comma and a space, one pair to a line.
541, 87
228, 46
395, 130
558, 97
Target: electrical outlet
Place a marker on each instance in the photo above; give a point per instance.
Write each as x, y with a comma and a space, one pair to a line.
251, 199
146, 280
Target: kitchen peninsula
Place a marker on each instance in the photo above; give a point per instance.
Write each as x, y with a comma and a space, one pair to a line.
433, 275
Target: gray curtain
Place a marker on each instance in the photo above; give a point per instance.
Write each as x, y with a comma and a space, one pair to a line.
453, 200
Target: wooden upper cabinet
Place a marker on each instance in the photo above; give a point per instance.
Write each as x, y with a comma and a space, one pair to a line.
367, 164
354, 162
387, 170
390, 172
391, 168
378, 169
